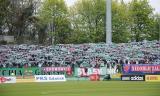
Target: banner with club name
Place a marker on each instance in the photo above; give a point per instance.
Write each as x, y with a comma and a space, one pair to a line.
141, 69
83, 72
35, 71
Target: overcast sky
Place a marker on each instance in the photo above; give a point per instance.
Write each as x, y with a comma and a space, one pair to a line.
154, 3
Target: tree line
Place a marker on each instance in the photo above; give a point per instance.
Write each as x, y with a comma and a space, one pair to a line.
53, 22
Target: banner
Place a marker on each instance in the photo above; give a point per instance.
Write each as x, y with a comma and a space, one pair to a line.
20, 71
34, 71
68, 70
49, 78
56, 69
133, 77
7, 79
141, 69
83, 72
152, 78
11, 71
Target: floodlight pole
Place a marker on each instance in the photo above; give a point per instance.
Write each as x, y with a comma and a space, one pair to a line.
159, 27
108, 21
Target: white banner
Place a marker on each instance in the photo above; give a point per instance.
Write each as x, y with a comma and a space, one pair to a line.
7, 79
89, 71
49, 78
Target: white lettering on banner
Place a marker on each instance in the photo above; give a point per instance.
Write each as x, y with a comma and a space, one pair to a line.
52, 69
81, 72
141, 68
137, 78
7, 79
155, 68
96, 71
89, 71
146, 68
49, 78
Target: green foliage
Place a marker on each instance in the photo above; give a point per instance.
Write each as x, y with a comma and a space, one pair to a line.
88, 19
120, 22
3, 9
84, 22
18, 17
54, 13
141, 13
155, 28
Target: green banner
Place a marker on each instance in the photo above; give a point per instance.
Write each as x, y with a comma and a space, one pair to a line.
27, 72
20, 71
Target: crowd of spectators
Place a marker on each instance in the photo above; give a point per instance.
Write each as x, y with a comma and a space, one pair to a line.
79, 55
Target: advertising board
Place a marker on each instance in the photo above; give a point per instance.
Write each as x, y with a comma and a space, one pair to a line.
152, 78
133, 77
7, 79
49, 78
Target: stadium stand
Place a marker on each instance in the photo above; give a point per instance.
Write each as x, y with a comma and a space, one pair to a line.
80, 55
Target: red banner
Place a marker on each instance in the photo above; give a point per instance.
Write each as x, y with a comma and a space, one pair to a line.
56, 69
68, 70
